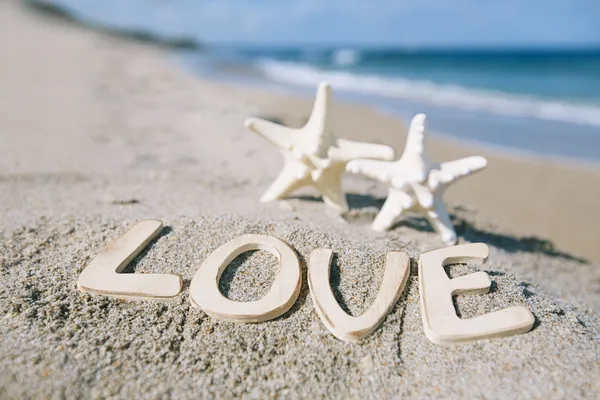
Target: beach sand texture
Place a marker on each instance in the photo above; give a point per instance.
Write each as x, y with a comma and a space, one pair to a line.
97, 133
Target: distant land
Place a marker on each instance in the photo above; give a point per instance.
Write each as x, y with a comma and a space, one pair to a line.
53, 10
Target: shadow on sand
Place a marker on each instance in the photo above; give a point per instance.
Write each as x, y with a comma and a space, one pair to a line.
466, 229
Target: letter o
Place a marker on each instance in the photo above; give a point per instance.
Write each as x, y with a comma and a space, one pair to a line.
205, 293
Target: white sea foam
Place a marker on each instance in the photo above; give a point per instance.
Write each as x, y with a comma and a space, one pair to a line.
345, 57
432, 93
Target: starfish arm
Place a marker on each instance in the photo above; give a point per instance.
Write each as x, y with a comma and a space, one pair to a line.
395, 205
423, 194
451, 171
378, 170
293, 176
319, 117
329, 183
318, 131
279, 135
347, 150
415, 140
440, 221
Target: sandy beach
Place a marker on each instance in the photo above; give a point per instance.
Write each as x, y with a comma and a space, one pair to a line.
97, 132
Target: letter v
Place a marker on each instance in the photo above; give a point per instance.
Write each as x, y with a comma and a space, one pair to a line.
102, 274
340, 324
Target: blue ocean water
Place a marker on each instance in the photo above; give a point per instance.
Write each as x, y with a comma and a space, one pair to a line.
560, 74
542, 101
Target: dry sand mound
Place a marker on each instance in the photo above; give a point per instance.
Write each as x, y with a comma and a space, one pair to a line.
56, 341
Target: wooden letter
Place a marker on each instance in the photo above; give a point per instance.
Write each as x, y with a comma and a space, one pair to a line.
102, 275
204, 289
440, 322
340, 324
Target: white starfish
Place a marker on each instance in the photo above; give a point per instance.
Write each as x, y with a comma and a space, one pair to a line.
313, 156
416, 183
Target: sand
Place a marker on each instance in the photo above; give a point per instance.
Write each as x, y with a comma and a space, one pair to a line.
97, 133
58, 342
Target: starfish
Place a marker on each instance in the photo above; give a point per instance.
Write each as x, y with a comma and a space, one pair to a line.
416, 183
313, 155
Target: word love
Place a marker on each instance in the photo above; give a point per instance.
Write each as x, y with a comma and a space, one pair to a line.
440, 322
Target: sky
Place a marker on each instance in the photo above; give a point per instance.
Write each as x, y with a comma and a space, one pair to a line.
407, 23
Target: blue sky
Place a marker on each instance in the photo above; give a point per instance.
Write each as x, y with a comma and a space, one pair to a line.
384, 22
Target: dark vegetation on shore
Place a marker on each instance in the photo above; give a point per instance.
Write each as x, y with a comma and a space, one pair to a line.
50, 9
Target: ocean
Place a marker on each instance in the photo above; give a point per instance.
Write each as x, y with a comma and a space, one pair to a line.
542, 102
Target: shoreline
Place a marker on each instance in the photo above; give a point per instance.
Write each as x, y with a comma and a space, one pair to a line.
247, 76
537, 134
503, 152
522, 156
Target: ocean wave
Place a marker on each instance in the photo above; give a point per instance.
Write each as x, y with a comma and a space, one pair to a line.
345, 57
432, 93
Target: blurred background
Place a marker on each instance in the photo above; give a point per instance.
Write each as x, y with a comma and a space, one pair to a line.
515, 81
522, 75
